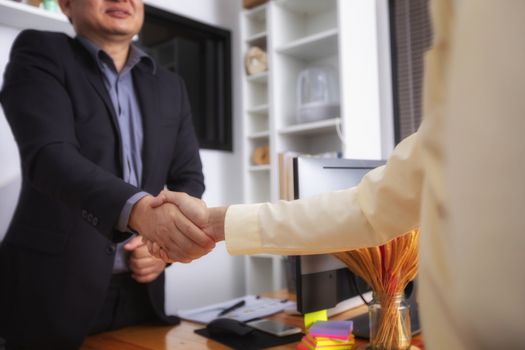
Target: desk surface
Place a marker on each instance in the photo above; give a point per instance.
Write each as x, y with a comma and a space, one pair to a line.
146, 337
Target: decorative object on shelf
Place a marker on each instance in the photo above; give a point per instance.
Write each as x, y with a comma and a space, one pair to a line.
50, 5
261, 155
248, 4
387, 269
317, 94
255, 60
35, 3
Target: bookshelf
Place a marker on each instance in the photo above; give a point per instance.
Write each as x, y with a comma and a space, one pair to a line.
297, 34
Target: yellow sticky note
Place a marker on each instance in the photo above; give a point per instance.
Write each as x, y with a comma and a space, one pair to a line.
311, 317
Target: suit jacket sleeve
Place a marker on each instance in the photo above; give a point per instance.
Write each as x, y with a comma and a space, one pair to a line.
39, 110
185, 173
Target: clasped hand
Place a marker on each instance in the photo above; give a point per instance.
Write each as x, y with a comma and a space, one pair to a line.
176, 227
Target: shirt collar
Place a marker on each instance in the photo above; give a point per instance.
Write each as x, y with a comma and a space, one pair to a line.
136, 56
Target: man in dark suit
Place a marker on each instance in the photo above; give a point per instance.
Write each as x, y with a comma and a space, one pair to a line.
100, 129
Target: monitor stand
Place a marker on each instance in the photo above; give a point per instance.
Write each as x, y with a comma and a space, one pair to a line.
361, 325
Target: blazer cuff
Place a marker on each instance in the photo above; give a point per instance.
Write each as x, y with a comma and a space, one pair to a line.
242, 230
123, 220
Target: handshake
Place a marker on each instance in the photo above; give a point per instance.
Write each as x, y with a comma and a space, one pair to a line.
177, 227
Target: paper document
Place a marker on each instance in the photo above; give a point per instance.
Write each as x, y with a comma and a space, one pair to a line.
254, 307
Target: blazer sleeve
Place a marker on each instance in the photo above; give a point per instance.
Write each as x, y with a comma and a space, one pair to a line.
185, 173
385, 204
39, 110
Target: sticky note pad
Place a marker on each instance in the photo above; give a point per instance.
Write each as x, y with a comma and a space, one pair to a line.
331, 329
312, 317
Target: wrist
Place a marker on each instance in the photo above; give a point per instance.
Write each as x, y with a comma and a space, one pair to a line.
139, 213
216, 223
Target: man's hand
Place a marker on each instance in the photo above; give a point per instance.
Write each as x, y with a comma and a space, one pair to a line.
167, 227
144, 267
193, 208
211, 220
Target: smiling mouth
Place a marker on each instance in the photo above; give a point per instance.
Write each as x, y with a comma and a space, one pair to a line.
118, 13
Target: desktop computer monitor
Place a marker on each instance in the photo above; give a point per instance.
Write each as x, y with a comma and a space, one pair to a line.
322, 281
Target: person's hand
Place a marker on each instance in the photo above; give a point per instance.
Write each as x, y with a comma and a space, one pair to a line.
211, 220
193, 208
144, 267
166, 226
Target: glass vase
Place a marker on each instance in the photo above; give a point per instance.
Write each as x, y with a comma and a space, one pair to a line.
389, 322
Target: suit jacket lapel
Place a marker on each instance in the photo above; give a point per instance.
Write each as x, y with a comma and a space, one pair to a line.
94, 76
146, 87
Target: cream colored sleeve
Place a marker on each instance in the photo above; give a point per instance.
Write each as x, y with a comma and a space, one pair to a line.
385, 204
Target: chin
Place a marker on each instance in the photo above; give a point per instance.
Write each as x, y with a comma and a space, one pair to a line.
124, 32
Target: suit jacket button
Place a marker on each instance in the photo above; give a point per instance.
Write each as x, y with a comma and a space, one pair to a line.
95, 221
84, 213
90, 217
110, 249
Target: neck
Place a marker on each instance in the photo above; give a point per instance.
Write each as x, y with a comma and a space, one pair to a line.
119, 55
118, 50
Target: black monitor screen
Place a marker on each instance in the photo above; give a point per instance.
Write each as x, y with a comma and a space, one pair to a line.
322, 281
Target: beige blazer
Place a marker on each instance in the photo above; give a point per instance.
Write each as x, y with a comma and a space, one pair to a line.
461, 177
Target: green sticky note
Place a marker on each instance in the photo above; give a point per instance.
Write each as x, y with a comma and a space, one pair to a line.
311, 317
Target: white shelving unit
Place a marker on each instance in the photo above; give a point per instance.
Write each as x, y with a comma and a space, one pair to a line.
22, 16
297, 34
312, 128
260, 269
259, 168
312, 47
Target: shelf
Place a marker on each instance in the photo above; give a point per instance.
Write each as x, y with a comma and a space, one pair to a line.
259, 135
255, 22
318, 127
22, 16
312, 47
258, 40
259, 110
256, 37
307, 7
261, 78
257, 13
257, 168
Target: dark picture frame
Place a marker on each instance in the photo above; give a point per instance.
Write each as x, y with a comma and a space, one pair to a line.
201, 55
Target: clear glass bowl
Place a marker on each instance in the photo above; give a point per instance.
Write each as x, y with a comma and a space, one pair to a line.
317, 94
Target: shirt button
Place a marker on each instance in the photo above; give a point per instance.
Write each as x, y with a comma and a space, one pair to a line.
110, 249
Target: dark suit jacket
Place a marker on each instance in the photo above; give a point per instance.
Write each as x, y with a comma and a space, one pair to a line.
56, 258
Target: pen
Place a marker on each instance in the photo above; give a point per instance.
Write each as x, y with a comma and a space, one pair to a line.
233, 307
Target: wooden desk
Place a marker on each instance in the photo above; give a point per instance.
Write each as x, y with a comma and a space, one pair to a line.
182, 337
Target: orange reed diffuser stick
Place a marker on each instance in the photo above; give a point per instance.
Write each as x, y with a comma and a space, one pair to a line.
387, 269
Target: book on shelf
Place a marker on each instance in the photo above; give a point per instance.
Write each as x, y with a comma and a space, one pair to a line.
285, 163
286, 188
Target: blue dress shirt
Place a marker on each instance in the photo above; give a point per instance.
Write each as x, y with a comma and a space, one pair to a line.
121, 90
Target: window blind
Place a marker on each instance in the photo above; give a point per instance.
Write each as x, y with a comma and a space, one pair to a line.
411, 36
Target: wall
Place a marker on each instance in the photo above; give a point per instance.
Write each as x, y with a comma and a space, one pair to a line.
187, 285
